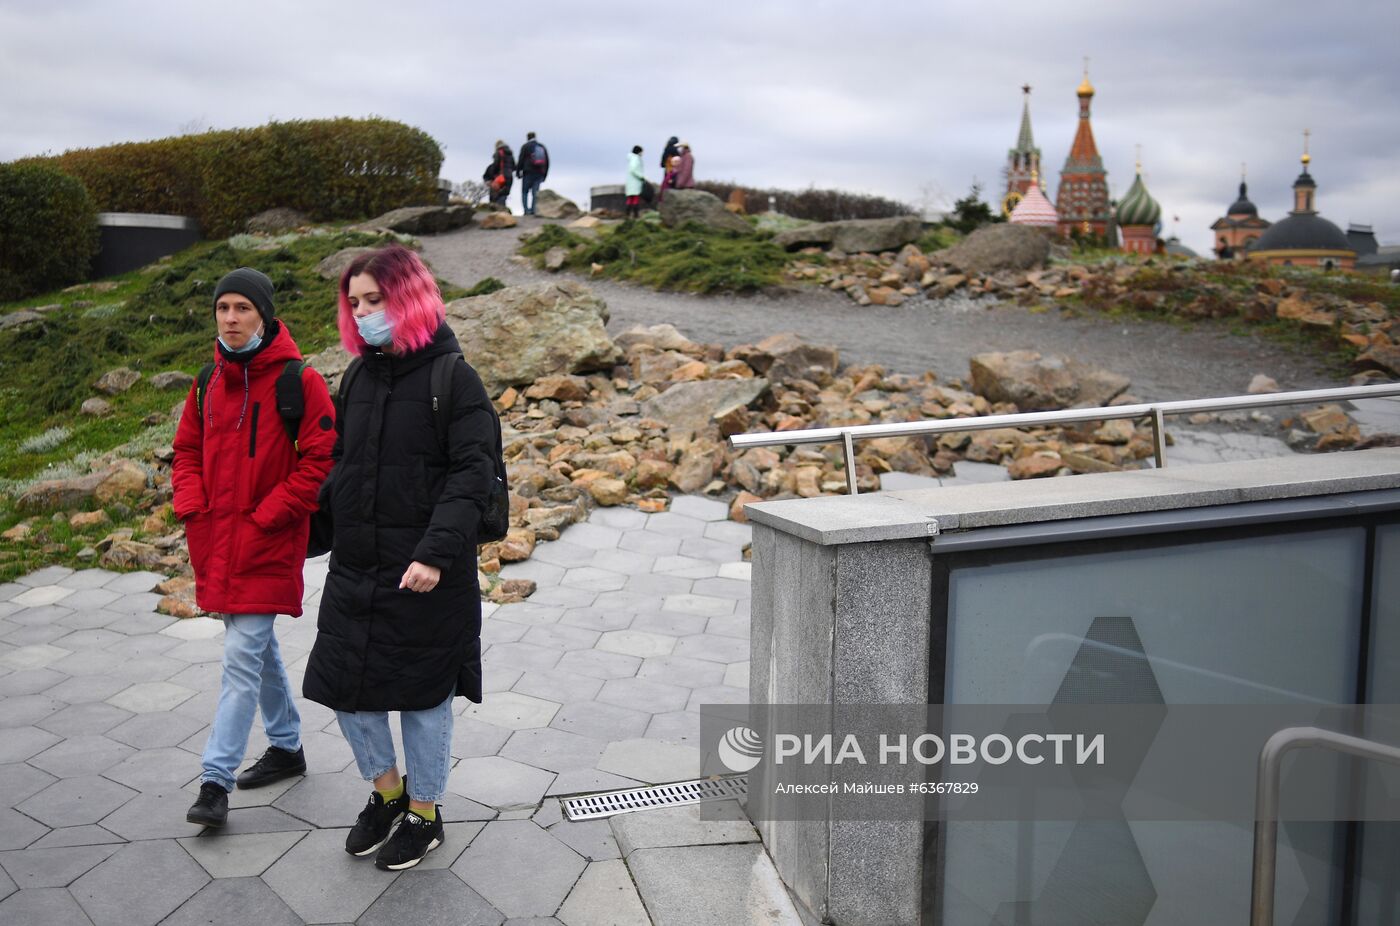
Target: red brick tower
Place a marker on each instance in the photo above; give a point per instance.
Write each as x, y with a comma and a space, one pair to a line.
1082, 200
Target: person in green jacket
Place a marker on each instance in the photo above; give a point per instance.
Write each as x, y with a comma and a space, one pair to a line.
635, 180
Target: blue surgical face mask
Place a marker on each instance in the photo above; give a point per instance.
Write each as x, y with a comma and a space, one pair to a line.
375, 328
253, 343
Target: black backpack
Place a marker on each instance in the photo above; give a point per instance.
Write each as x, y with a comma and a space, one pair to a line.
495, 519
291, 404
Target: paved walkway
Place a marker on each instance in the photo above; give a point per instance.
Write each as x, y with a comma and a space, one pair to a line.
593, 684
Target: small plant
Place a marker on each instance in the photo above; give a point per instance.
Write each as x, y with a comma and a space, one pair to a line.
51, 439
48, 230
486, 286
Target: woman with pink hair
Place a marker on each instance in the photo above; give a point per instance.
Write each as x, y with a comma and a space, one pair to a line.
400, 615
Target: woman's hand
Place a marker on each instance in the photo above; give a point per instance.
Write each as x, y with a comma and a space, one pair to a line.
420, 578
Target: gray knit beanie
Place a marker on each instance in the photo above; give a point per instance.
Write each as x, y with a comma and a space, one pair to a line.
252, 285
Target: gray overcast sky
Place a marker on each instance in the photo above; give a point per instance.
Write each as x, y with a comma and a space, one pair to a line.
909, 100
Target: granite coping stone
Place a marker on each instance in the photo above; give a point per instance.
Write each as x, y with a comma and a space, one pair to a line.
915, 513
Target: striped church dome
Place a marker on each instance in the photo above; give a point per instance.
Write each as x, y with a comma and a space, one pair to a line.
1035, 209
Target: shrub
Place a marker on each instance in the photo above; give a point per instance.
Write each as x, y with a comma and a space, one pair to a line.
327, 168
48, 230
487, 285
45, 441
811, 203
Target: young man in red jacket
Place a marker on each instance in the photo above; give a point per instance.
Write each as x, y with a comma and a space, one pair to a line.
245, 489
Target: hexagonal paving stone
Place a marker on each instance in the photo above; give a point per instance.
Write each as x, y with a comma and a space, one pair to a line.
51, 906
519, 868
135, 582
141, 883
705, 509
741, 571
430, 898
723, 588
28, 710
17, 830
89, 598
650, 543
730, 625
42, 595
19, 743
29, 681
605, 896
563, 553
49, 575
626, 562
82, 620
670, 623
671, 524
717, 694
624, 519
713, 550
714, 648
20, 780
83, 719
592, 839
249, 900
648, 695
561, 637
636, 643
141, 605
75, 801
686, 566
86, 689
493, 631
475, 738
558, 596
151, 697
707, 605
651, 760
542, 573
593, 536
737, 675
33, 635
81, 755
33, 657
527, 613
600, 721
675, 727
324, 884
496, 679
33, 868
150, 731
593, 578
683, 671
195, 628
556, 685
730, 532
523, 656
596, 619
514, 711
245, 856
98, 638
498, 782
332, 799
589, 781
553, 750
598, 664
160, 770
657, 584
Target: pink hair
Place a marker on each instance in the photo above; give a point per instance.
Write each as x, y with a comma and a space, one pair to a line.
412, 300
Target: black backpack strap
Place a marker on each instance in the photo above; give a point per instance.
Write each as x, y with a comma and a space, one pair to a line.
291, 403
342, 389
201, 386
440, 381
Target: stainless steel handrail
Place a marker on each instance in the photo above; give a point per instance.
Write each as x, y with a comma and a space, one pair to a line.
1261, 902
1156, 411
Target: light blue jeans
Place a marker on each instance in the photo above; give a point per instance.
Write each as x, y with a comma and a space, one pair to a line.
253, 677
427, 746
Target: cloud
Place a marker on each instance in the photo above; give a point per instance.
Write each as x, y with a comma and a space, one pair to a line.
902, 99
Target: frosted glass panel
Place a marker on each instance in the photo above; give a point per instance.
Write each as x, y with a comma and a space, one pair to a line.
1241, 621
1378, 897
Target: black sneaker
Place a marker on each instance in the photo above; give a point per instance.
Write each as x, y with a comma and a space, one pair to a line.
211, 807
274, 765
414, 839
374, 823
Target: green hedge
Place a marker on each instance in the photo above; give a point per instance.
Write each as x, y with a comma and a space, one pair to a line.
327, 168
48, 230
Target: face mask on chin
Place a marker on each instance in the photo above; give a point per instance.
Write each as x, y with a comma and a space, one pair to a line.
375, 328
253, 343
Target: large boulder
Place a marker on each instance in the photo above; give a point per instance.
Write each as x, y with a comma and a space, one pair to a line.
274, 221
681, 206
855, 235
692, 406
1037, 383
997, 247
332, 267
422, 220
518, 334
550, 205
331, 364
793, 358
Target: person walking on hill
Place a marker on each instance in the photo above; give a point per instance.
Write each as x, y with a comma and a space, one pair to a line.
532, 168
400, 619
245, 478
683, 177
635, 180
499, 172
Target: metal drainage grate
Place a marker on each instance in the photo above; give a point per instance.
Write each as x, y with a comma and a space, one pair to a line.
675, 794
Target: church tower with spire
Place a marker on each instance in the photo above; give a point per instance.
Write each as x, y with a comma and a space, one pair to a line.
1023, 161
1082, 200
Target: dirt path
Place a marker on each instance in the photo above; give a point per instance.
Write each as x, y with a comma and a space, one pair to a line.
1164, 360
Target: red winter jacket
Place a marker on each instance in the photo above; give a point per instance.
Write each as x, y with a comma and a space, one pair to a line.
240, 487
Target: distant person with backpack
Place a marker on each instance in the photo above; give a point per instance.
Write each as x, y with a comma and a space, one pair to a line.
532, 168
636, 180
418, 482
498, 173
683, 177
671, 150
251, 451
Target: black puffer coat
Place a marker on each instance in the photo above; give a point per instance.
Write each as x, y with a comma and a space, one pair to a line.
395, 496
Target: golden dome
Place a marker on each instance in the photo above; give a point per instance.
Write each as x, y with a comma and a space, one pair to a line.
1085, 88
